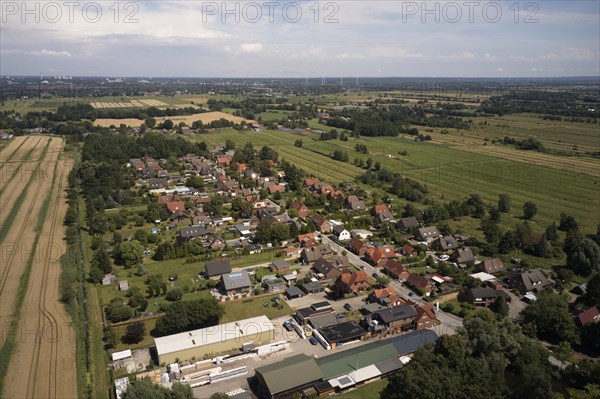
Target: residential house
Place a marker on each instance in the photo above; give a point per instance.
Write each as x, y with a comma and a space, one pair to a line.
340, 233
408, 250
419, 282
481, 296
165, 199
444, 243
463, 257
310, 182
274, 285
235, 283
408, 223
312, 254
302, 209
361, 234
386, 297
176, 206
395, 270
355, 204
194, 232
427, 234
155, 183
327, 269
321, 223
291, 252
381, 255
491, 266
382, 213
278, 266
588, 316
397, 318
351, 282
529, 281
217, 268
357, 247
217, 243
303, 238
426, 317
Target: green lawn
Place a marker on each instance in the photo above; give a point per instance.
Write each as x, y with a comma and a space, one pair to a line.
244, 309
371, 390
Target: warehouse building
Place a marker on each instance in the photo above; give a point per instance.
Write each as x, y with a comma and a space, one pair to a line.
284, 378
341, 370
214, 340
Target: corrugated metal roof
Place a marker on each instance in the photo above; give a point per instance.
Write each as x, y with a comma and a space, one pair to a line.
290, 373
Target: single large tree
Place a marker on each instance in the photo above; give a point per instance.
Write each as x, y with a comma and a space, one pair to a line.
134, 332
504, 202
131, 253
586, 258
529, 210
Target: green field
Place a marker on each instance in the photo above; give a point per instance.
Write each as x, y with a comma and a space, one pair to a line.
449, 173
553, 134
245, 309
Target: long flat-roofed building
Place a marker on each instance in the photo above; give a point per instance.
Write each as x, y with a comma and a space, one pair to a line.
214, 340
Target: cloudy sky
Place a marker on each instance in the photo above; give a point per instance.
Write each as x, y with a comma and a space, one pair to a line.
301, 38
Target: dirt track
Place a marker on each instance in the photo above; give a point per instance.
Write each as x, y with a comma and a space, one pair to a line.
43, 362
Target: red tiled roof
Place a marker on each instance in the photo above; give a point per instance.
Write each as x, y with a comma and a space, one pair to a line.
377, 209
176, 206
588, 316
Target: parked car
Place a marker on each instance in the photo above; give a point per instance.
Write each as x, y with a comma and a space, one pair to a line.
348, 307
375, 276
288, 325
410, 293
313, 341
444, 257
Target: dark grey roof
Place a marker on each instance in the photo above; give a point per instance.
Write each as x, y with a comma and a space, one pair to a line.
237, 280
389, 365
195, 231
280, 264
294, 291
218, 267
409, 343
485, 292
410, 221
342, 332
396, 313
324, 320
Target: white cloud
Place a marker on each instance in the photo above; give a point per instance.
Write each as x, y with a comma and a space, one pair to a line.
500, 69
392, 52
465, 55
40, 53
251, 47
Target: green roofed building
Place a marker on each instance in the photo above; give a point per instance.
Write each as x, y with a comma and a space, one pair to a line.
342, 370
373, 353
289, 375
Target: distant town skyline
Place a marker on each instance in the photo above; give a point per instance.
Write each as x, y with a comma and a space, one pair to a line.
301, 39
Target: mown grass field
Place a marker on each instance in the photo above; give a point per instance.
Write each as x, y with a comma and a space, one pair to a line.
370, 390
449, 173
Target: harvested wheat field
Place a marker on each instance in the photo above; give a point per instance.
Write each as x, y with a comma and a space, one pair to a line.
41, 343
205, 117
